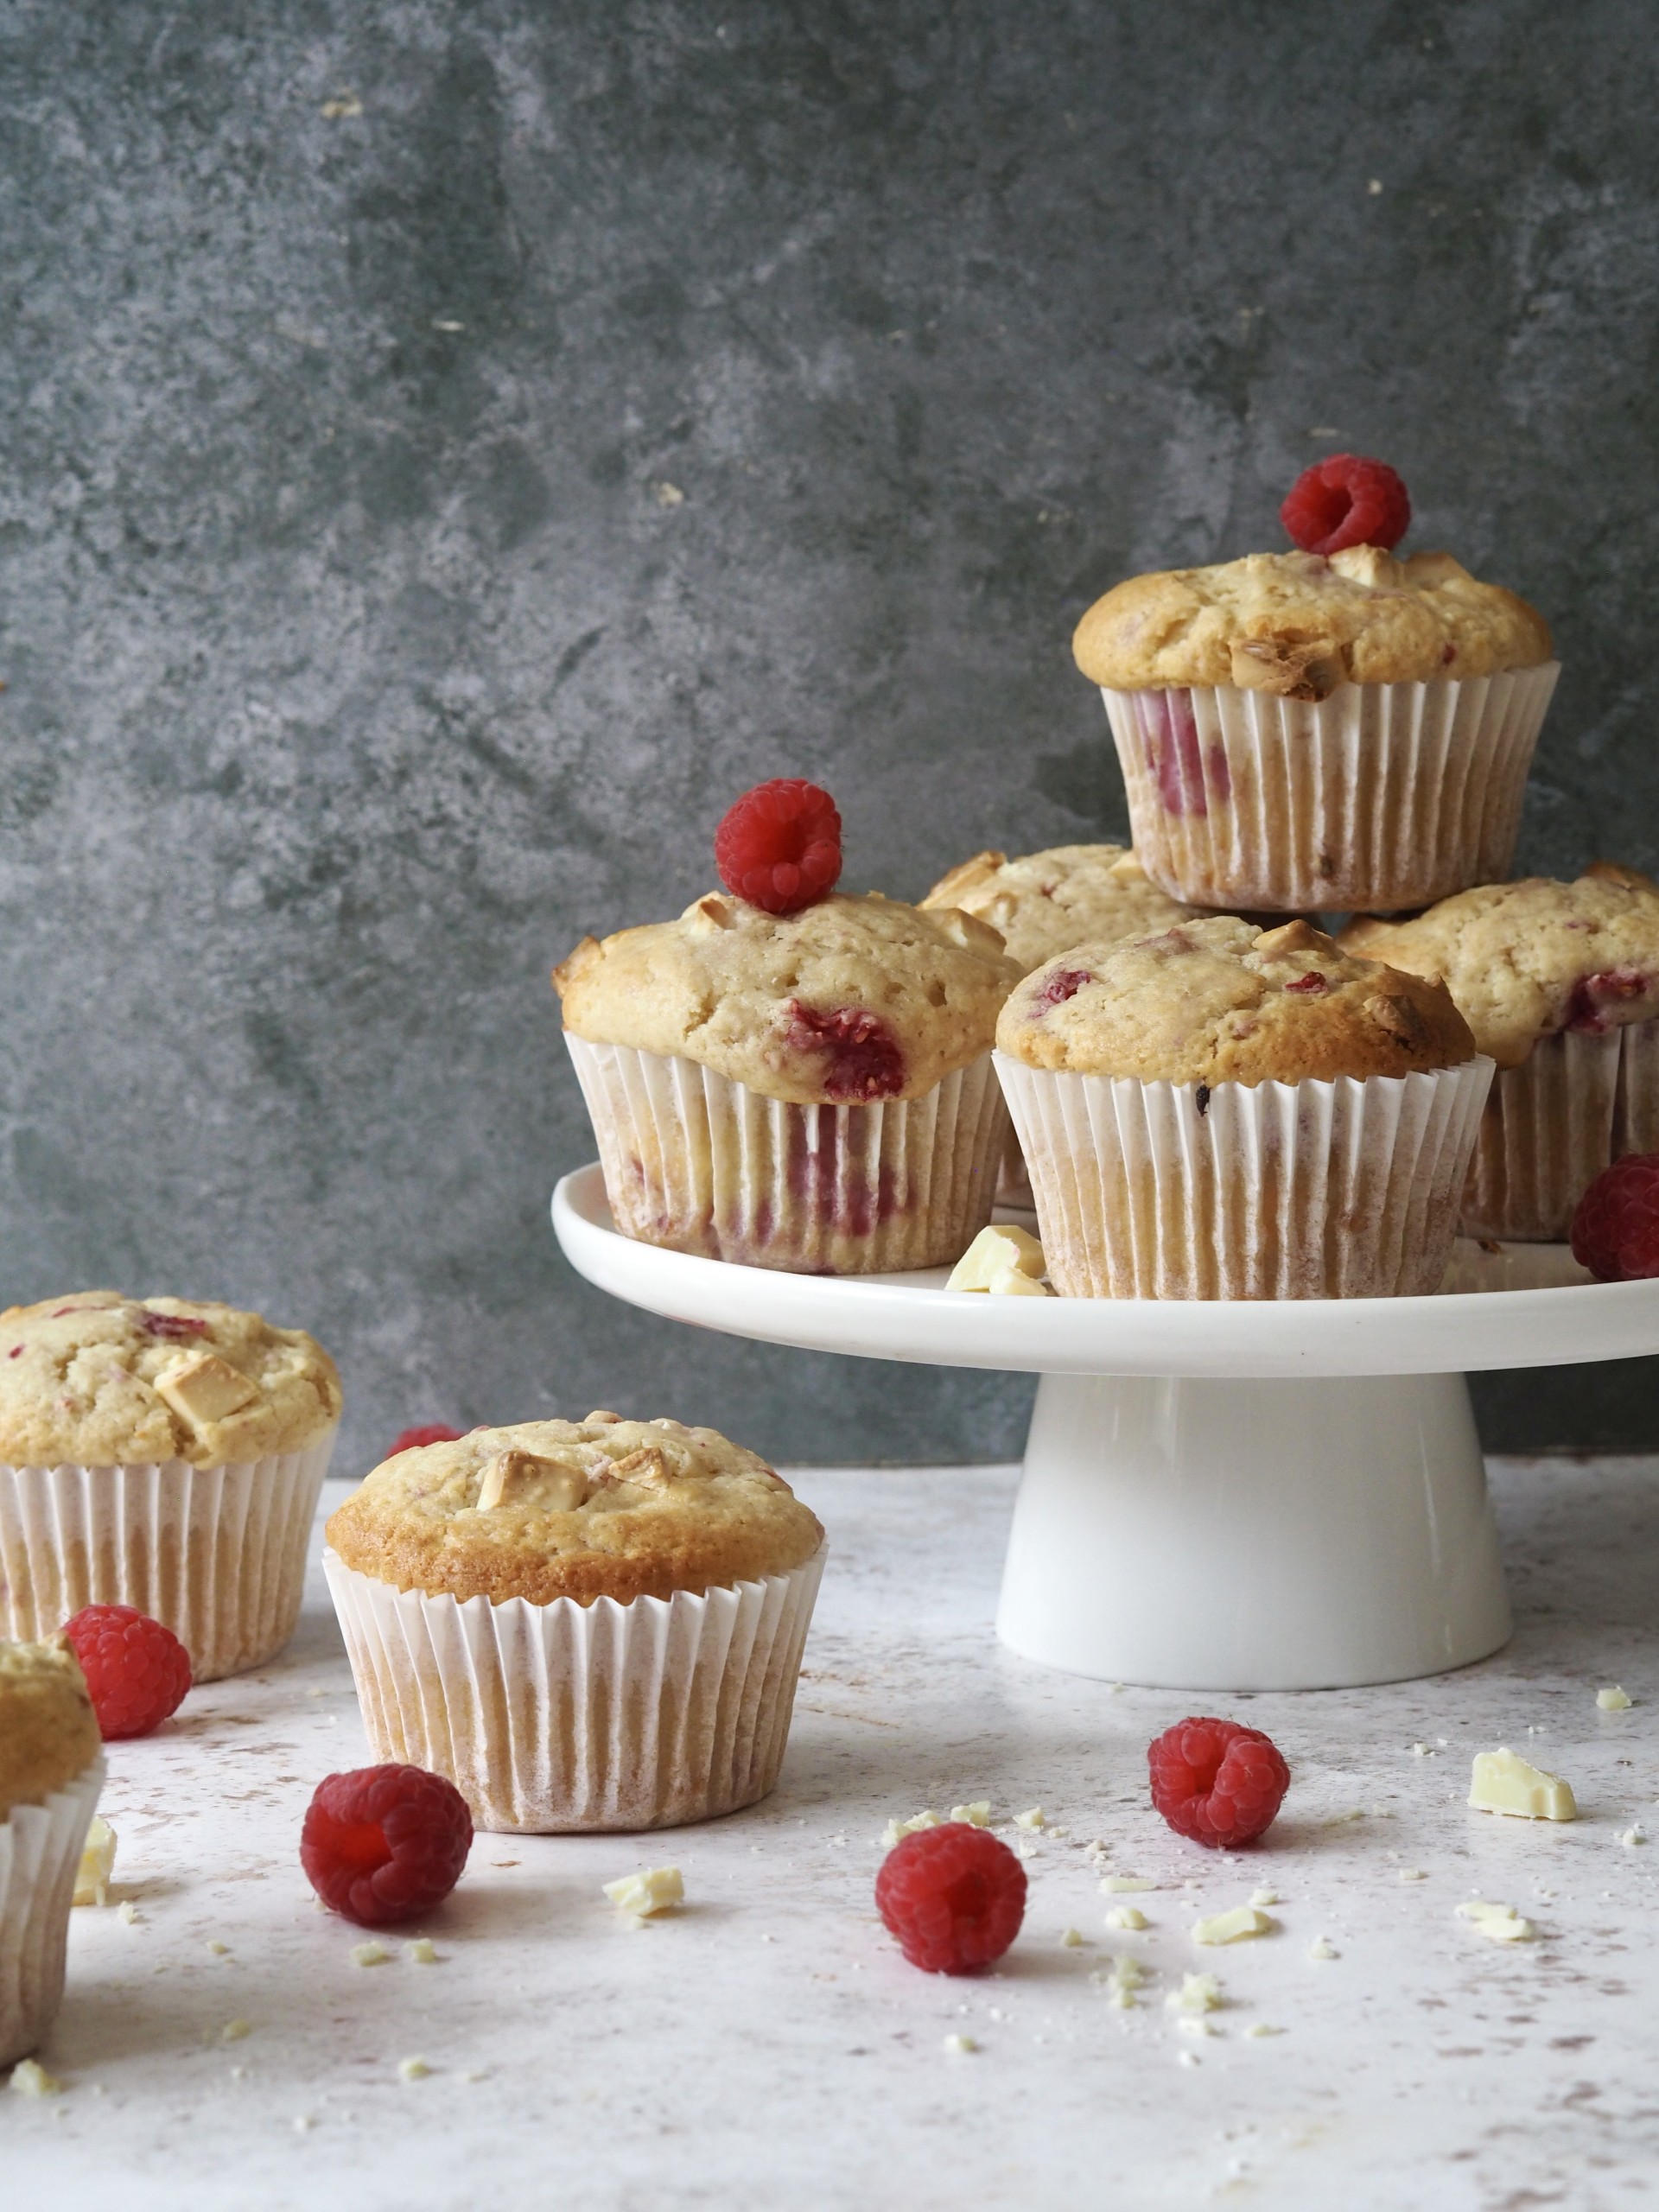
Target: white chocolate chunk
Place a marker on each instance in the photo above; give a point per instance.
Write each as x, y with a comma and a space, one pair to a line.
202, 1388
1116, 1885
1501, 1921
1032, 1819
523, 1478
655, 1889
30, 2079
1071, 1939
1264, 1897
1503, 1781
1126, 1976
1199, 1993
1234, 1926
96, 1864
1126, 1915
958, 2046
1008, 1283
413, 2069
420, 1952
896, 1831
370, 1954
1323, 1947
995, 1251
977, 1814
1613, 1700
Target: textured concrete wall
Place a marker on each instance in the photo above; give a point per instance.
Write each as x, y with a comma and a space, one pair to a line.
450, 449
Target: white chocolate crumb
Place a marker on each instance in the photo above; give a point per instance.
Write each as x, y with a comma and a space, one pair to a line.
1413, 1874
304, 2122
1614, 1700
420, 1952
96, 1864
1071, 1940
1264, 1897
957, 2045
1237, 1926
977, 1814
653, 1889
1264, 2028
1632, 1836
220, 1950
1189, 2058
1024, 1850
1323, 1947
240, 2073
477, 2073
1126, 1915
1502, 1923
1199, 1993
1033, 1818
896, 1830
1118, 1885
30, 2079
128, 1911
1420, 1752
370, 1954
236, 2030
413, 2069
668, 495
1195, 2023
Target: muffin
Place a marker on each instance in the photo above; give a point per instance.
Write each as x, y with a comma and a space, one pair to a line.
1220, 1111
1305, 732
584, 1624
161, 1453
51, 1771
1560, 983
809, 1091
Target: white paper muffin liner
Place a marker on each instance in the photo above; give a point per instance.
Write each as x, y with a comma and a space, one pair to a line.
40, 1853
1381, 797
701, 1164
1347, 1189
216, 1553
564, 1716
1576, 1102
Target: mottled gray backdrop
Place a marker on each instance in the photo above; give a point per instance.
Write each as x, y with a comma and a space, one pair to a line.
449, 449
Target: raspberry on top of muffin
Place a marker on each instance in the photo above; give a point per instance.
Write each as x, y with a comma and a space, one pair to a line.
1219, 1001
102, 1380
1042, 902
48, 1731
1526, 959
845, 999
557, 1509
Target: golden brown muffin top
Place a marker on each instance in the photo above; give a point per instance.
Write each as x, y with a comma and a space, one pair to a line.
1219, 1001
48, 1731
1298, 625
96, 1378
601, 1508
850, 999
1042, 902
1523, 960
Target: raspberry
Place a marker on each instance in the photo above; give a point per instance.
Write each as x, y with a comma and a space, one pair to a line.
410, 1439
1216, 1782
385, 1843
779, 846
1587, 1010
863, 1056
178, 1325
1616, 1227
1311, 984
954, 1896
137, 1669
1065, 983
1346, 500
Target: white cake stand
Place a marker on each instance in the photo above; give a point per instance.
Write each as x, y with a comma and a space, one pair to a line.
1216, 1495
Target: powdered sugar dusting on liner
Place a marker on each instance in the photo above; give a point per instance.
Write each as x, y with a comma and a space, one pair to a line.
1347, 1189
564, 1716
699, 1163
1381, 797
40, 1853
216, 1553
1577, 1101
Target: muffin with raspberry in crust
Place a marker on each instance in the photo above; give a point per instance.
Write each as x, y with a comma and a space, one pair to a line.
164, 1453
51, 1771
1215, 1110
583, 1624
1327, 728
809, 1090
1560, 983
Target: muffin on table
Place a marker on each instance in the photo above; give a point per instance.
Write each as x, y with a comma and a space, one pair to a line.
51, 1771
161, 1453
1560, 983
584, 1624
1325, 730
806, 1089
1215, 1110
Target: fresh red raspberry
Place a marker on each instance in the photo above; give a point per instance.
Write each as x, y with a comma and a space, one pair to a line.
1345, 499
410, 1439
1616, 1228
954, 1896
864, 1059
779, 846
137, 1669
1065, 983
177, 1325
1216, 1782
385, 1843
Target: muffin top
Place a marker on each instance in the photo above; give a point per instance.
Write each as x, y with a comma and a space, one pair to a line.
1300, 624
97, 1378
1042, 902
850, 999
1218, 1000
48, 1731
601, 1508
1523, 960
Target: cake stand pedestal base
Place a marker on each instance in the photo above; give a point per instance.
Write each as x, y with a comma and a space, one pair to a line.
1305, 1533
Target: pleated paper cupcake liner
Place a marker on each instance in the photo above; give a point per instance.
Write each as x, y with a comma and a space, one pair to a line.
1381, 797
1347, 1189
701, 1164
1576, 1102
216, 1553
563, 1716
40, 1851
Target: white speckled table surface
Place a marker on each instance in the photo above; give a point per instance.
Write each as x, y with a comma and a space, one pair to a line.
768, 2047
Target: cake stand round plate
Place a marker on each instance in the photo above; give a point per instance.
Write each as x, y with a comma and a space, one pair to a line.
1217, 1494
